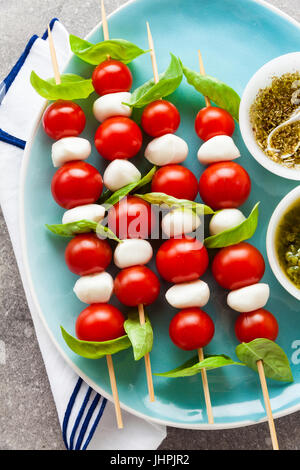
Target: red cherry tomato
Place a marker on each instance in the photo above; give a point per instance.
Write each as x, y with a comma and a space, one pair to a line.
238, 266
76, 184
100, 322
175, 180
191, 328
111, 76
213, 121
131, 218
137, 285
224, 185
63, 119
159, 118
118, 137
87, 254
181, 260
257, 324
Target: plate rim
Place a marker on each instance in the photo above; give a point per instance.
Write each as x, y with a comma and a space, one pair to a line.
27, 271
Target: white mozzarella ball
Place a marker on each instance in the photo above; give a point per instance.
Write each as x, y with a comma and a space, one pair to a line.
218, 149
249, 298
70, 148
188, 294
224, 220
112, 105
94, 288
177, 222
93, 212
119, 173
167, 149
132, 252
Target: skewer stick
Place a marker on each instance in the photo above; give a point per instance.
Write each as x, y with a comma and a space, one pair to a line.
114, 390
202, 71
152, 54
265, 391
54, 58
104, 22
147, 358
206, 389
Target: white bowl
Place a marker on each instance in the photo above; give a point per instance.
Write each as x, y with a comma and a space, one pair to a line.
280, 210
288, 63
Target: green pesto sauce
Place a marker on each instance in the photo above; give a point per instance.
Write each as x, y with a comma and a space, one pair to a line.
288, 243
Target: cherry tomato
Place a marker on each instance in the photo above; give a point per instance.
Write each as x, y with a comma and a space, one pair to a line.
191, 328
131, 218
137, 285
181, 260
111, 76
76, 184
257, 324
213, 121
159, 118
175, 180
224, 185
100, 322
118, 137
238, 266
87, 254
63, 119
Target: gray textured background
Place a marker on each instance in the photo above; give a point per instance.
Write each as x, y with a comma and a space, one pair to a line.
28, 418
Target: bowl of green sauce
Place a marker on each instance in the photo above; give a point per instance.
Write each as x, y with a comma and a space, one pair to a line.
283, 242
270, 116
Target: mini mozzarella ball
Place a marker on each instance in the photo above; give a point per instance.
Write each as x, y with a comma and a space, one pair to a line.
188, 294
112, 105
224, 220
119, 173
95, 288
69, 149
93, 212
166, 149
132, 252
178, 222
250, 298
218, 149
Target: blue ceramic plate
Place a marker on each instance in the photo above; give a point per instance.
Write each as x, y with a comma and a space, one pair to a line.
236, 38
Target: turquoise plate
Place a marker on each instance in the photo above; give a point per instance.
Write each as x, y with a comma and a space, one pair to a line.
236, 38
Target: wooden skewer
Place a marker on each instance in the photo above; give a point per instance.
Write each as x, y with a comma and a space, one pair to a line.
202, 71
104, 22
114, 390
147, 358
265, 391
54, 58
152, 54
206, 389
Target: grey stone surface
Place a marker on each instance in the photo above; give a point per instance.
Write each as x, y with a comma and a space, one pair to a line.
28, 418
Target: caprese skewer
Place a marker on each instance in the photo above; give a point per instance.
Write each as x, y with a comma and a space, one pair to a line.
240, 268
76, 186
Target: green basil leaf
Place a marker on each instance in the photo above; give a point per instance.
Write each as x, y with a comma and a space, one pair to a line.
232, 236
93, 349
221, 94
72, 87
105, 232
82, 226
276, 363
193, 366
160, 199
94, 54
73, 228
122, 192
141, 336
169, 81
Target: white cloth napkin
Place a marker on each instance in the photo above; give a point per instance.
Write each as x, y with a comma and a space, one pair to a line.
87, 419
